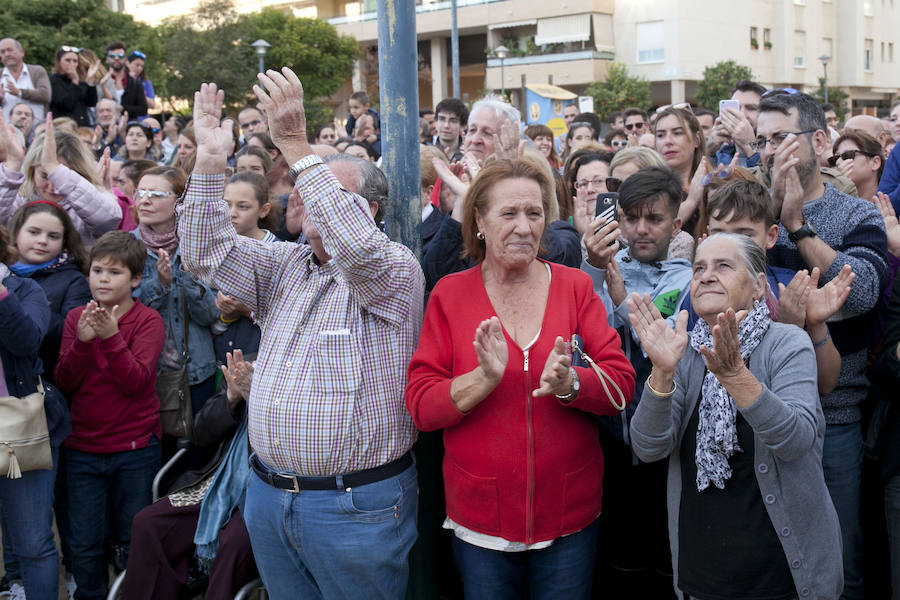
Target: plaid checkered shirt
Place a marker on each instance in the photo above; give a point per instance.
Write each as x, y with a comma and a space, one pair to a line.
327, 391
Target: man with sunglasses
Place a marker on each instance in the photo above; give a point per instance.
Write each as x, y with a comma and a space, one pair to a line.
822, 227
637, 122
120, 85
22, 83
735, 130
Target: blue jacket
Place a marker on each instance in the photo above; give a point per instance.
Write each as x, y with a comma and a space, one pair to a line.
890, 180
24, 317
202, 312
66, 288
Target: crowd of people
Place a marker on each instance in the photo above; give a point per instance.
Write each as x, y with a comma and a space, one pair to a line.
670, 399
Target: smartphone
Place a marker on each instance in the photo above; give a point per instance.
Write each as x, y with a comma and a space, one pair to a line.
732, 104
607, 206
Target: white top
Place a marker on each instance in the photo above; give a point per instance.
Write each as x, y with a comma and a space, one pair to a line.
23, 83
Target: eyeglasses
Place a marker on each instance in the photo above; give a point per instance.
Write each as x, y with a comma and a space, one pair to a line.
618, 143
722, 174
776, 91
847, 155
74, 49
631, 126
115, 55
138, 54
595, 182
777, 139
151, 194
612, 184
253, 123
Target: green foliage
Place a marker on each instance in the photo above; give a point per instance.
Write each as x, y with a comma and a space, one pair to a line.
836, 96
620, 90
718, 81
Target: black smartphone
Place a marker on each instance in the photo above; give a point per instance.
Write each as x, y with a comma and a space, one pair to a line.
607, 206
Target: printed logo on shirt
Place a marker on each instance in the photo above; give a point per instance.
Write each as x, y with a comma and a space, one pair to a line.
667, 303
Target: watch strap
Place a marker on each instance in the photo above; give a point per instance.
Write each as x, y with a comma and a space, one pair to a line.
304, 163
806, 230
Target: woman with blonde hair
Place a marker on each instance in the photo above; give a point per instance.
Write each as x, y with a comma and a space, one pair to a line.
58, 168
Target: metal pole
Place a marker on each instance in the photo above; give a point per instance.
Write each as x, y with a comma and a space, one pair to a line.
502, 81
825, 80
398, 83
454, 48
262, 66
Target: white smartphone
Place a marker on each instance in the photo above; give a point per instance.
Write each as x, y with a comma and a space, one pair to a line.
732, 104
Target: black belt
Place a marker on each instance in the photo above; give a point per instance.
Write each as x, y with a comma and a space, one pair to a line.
295, 483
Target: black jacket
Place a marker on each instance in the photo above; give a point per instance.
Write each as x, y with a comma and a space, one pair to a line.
133, 99
70, 100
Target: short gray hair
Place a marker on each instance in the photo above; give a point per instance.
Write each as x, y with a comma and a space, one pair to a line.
753, 257
501, 109
371, 183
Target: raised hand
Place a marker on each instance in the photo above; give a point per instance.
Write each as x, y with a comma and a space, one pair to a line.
891, 225
214, 136
164, 268
104, 170
85, 332
458, 187
827, 300
555, 378
663, 345
792, 205
783, 159
615, 283
601, 242
231, 308
506, 143
282, 101
793, 299
104, 322
10, 146
49, 160
238, 374
724, 359
491, 349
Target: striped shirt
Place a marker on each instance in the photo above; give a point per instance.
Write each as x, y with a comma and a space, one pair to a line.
327, 394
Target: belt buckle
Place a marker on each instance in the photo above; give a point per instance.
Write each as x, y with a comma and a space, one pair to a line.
296, 489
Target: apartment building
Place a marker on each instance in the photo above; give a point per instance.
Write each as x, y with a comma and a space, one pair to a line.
571, 43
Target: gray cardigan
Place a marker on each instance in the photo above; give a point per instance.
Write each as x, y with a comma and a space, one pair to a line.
789, 429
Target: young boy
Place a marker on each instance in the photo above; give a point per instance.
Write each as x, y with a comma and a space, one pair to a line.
107, 364
364, 130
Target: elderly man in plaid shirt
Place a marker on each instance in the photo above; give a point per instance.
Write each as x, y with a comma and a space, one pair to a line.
331, 508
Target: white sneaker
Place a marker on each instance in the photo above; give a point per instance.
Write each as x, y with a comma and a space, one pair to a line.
71, 586
16, 591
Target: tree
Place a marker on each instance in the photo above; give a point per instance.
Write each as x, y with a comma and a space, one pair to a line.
718, 82
836, 96
620, 90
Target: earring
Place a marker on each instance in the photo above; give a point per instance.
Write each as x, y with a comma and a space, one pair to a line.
480, 236
755, 303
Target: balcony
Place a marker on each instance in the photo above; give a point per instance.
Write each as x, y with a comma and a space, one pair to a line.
357, 12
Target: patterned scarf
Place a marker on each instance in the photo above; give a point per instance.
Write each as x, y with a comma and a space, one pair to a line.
717, 431
167, 241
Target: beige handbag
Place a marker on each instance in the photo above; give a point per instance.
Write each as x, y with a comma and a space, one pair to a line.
24, 437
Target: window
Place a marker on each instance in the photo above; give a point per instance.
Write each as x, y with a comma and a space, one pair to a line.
767, 36
890, 51
754, 41
799, 49
867, 55
650, 38
867, 9
882, 51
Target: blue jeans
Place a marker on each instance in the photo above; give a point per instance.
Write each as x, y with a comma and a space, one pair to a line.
27, 515
346, 543
565, 570
842, 462
97, 482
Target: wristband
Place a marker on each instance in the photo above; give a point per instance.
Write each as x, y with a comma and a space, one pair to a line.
661, 394
824, 339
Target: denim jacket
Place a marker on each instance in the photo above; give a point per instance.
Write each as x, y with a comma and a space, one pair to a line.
201, 306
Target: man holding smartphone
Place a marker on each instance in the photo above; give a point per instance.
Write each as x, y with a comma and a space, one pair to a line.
735, 128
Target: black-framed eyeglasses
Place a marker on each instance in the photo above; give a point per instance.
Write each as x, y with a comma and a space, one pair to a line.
777, 139
630, 126
613, 184
848, 155
787, 90
721, 174
74, 49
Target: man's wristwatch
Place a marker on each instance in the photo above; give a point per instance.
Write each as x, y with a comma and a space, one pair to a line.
303, 164
576, 385
804, 232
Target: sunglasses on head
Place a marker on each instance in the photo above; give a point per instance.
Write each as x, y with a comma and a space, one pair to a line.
681, 106
776, 91
138, 54
847, 155
74, 49
115, 55
722, 174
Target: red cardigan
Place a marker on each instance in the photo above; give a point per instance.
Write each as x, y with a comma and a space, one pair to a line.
525, 469
112, 382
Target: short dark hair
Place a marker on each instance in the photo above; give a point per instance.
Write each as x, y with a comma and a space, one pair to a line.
827, 106
123, 247
746, 85
809, 114
594, 120
454, 106
361, 97
647, 185
613, 116
740, 199
634, 110
134, 168
699, 112
425, 111
257, 152
71, 238
115, 45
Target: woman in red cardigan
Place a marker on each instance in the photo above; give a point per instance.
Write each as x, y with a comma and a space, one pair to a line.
522, 466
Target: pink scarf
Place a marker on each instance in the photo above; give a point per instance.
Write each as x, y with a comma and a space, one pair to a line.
155, 242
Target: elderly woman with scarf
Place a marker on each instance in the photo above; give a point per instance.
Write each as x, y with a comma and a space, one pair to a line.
734, 407
201, 517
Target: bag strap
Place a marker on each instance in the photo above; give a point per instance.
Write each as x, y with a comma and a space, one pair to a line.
604, 378
184, 336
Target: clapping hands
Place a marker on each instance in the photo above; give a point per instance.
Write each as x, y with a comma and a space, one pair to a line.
97, 321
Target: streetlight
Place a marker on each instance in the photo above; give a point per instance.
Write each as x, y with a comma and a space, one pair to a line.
261, 46
502, 52
824, 59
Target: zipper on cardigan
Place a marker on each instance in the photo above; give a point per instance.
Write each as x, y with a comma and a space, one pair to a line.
529, 471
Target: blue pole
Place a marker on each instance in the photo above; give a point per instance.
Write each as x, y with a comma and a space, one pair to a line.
454, 48
398, 82
262, 67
